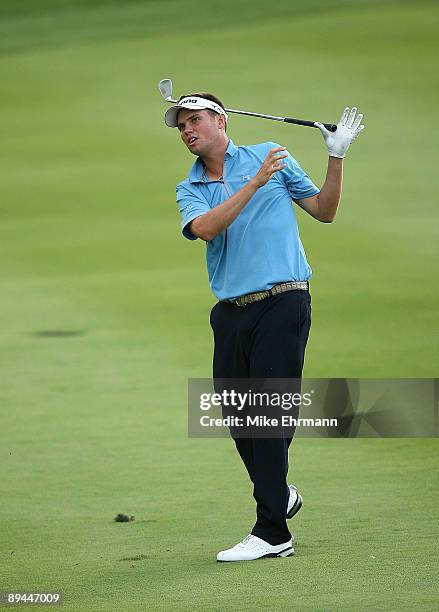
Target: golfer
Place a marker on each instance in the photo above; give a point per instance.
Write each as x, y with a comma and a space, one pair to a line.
239, 200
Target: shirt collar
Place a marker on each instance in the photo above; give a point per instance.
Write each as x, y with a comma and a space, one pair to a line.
231, 149
197, 170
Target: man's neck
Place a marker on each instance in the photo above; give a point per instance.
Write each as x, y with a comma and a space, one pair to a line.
214, 163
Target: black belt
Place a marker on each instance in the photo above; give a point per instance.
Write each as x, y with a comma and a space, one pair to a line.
243, 300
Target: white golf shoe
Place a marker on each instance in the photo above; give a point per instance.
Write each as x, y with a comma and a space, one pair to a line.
252, 548
294, 503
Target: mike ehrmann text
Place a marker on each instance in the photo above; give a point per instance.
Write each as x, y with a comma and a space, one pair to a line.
264, 421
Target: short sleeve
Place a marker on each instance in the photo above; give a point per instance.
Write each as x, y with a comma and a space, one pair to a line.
298, 183
191, 205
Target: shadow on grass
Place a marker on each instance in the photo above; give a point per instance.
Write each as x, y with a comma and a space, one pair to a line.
59, 333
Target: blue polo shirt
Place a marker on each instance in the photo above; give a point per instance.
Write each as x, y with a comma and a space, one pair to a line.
262, 246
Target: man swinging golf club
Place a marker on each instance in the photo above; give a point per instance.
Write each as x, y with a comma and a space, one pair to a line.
239, 200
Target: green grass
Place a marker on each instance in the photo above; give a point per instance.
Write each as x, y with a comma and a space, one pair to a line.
95, 423
28, 25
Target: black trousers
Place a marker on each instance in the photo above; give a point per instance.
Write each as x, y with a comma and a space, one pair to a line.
266, 339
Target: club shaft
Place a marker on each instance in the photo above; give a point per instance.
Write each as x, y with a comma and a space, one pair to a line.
329, 126
241, 112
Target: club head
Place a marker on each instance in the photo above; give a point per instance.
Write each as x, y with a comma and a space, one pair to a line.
165, 87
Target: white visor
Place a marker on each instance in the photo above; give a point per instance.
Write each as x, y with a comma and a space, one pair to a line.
191, 102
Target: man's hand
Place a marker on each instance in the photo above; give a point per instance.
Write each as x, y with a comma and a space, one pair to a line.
270, 166
348, 129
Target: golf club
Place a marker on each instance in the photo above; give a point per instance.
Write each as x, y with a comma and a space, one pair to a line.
165, 87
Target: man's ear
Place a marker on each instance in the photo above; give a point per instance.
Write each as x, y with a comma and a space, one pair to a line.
222, 122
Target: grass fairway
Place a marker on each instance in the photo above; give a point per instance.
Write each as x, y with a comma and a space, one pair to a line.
104, 307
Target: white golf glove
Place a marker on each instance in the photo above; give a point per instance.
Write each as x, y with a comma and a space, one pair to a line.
348, 129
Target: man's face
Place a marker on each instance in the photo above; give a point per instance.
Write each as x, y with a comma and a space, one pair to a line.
199, 129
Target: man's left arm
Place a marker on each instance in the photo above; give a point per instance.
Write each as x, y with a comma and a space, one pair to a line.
323, 206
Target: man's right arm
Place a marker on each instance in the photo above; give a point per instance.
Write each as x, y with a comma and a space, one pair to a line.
212, 223
215, 221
